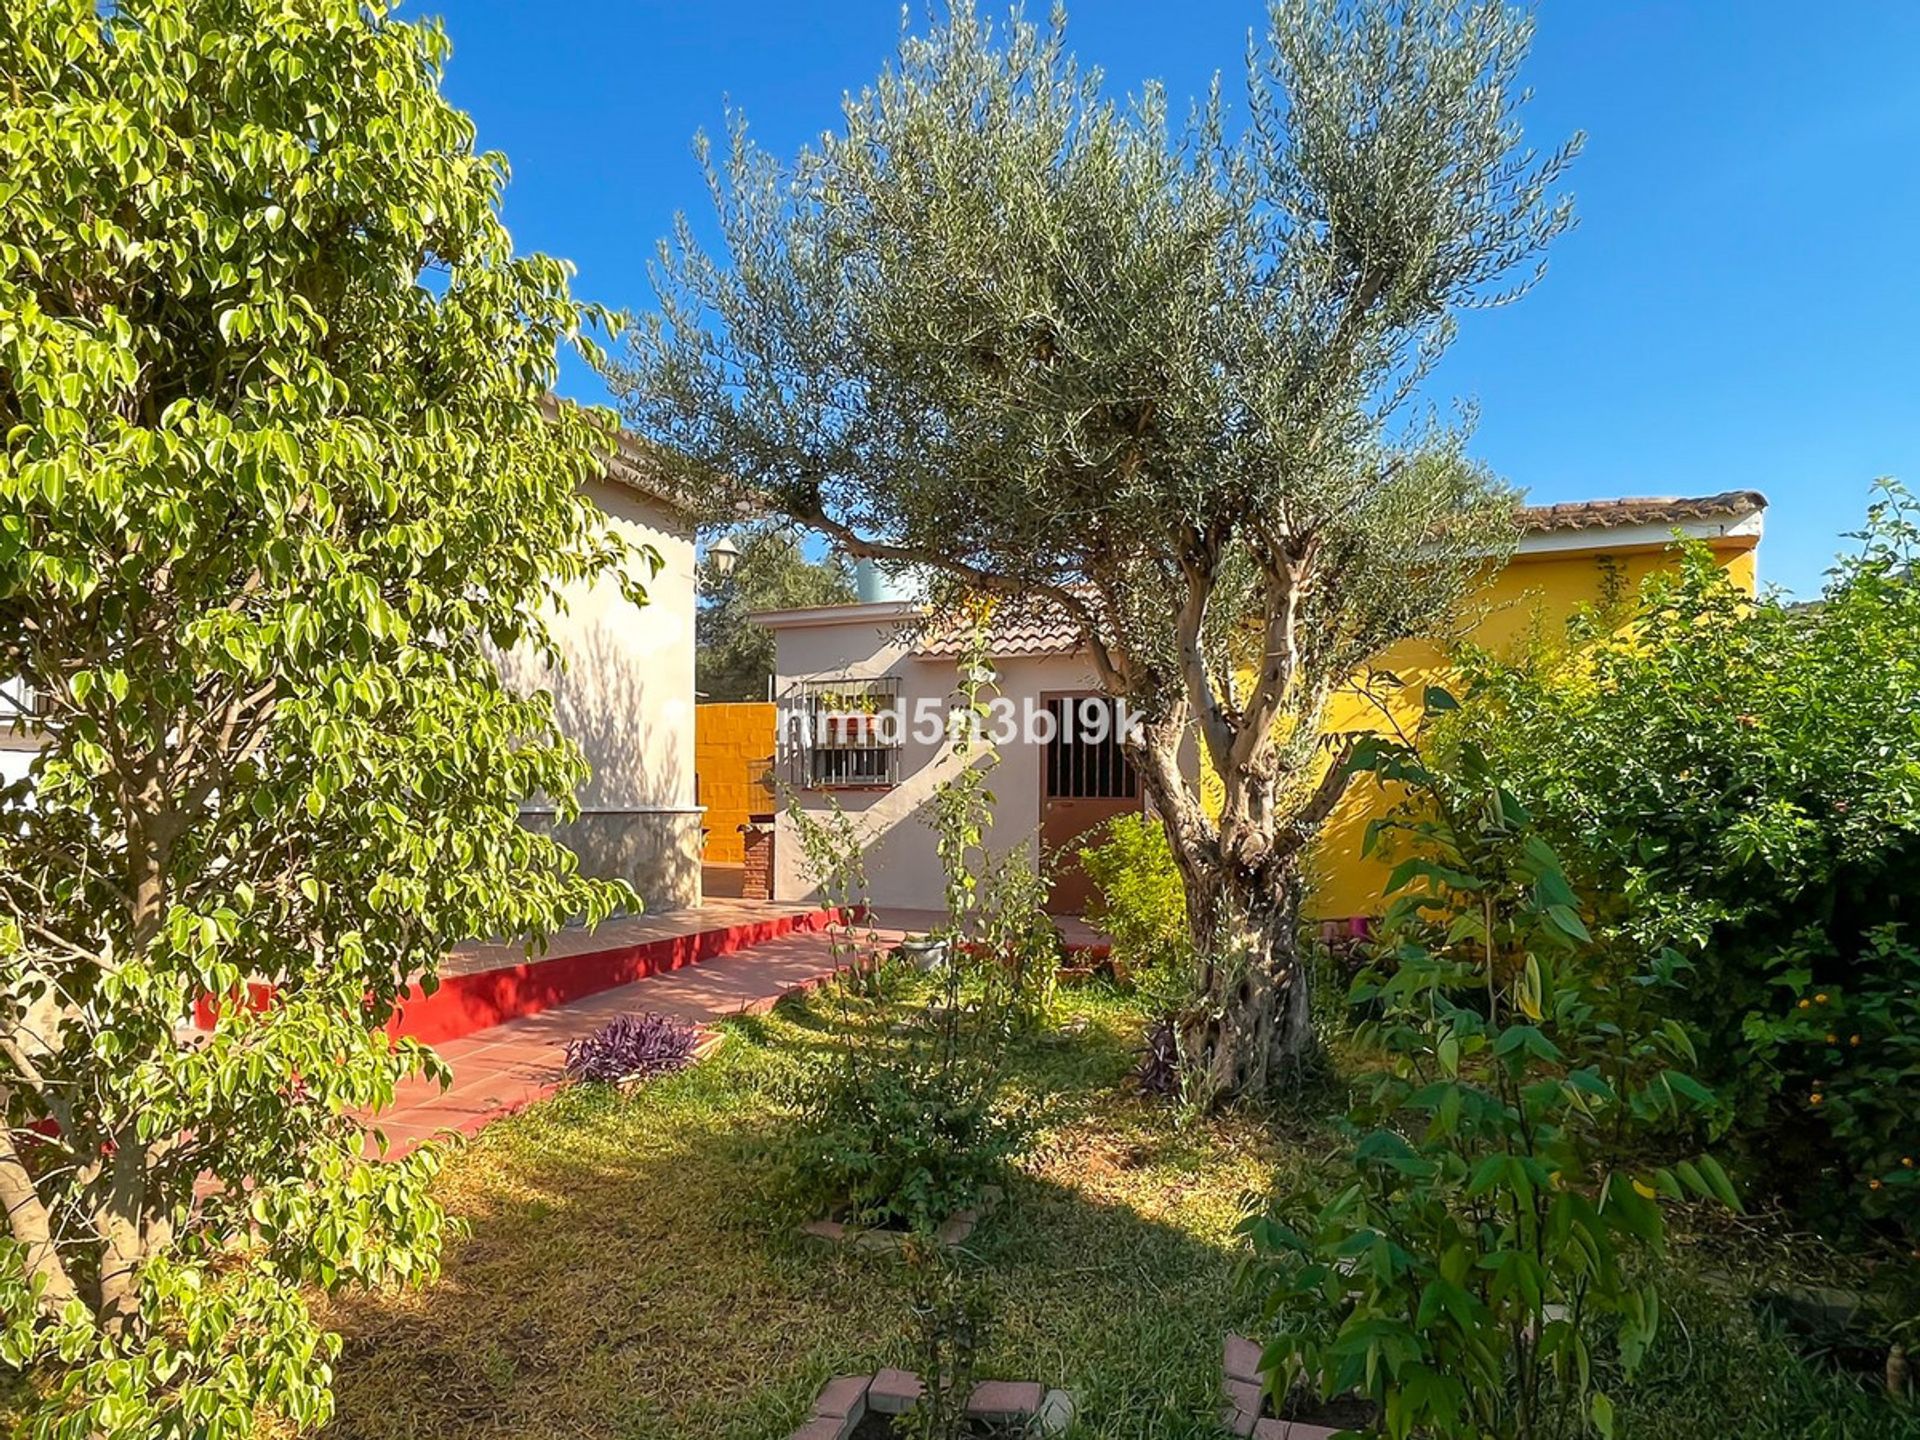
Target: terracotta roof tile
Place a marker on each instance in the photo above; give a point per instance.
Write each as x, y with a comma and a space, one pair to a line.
1012, 631
1030, 630
1651, 510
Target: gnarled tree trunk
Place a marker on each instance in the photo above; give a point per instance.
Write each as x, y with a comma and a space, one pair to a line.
1249, 1027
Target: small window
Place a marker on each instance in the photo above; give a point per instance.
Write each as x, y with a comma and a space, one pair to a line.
844, 734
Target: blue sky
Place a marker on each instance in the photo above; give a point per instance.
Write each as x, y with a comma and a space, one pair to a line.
1740, 306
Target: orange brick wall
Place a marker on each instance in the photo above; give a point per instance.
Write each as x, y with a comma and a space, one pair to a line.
732, 748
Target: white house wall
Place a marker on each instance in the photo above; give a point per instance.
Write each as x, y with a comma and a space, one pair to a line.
902, 861
626, 697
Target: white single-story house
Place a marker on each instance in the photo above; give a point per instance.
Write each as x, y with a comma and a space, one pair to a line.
626, 696
880, 655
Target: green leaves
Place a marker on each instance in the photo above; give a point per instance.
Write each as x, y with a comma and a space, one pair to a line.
1732, 780
1489, 1194
270, 510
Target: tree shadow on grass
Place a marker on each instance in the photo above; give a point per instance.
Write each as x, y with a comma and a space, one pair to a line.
627, 1273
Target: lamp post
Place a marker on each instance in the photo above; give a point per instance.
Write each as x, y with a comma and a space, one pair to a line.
722, 556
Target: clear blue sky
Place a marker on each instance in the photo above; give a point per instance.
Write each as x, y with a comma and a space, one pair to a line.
1740, 306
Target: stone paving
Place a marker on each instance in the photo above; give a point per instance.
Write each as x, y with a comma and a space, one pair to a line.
501, 1069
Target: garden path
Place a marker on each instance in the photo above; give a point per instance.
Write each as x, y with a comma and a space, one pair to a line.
501, 1069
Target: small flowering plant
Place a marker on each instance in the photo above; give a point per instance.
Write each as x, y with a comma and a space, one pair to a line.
632, 1047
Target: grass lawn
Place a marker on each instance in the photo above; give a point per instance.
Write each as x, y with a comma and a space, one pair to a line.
628, 1270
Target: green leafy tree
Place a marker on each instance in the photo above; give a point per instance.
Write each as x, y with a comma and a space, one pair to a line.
1735, 784
1483, 1231
1150, 376
278, 481
733, 658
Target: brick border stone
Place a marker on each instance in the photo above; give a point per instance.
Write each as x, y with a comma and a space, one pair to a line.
1243, 1390
956, 1230
845, 1400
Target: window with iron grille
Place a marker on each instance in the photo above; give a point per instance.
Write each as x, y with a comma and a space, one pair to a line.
1085, 759
844, 734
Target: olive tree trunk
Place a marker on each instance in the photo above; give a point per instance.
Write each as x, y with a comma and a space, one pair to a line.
1248, 1027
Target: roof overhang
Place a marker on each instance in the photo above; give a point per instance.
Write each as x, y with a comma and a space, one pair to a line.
873, 612
1737, 518
1732, 519
630, 464
1742, 532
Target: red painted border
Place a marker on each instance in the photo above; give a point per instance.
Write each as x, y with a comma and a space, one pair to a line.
465, 1003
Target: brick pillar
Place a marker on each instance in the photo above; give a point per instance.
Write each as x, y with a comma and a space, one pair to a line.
757, 836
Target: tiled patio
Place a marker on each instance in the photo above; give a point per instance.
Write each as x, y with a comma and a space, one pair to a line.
714, 913
502, 1068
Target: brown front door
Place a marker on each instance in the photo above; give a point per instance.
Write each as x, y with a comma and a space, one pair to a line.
1085, 780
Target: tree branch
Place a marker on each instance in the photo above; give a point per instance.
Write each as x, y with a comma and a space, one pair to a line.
1326, 794
1111, 668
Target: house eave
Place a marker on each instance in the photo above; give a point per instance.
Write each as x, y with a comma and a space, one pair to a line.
1743, 530
875, 612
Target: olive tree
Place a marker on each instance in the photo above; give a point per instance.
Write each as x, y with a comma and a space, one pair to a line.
1154, 376
278, 478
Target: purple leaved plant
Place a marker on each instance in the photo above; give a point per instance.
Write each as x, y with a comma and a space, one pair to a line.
631, 1047
1158, 1072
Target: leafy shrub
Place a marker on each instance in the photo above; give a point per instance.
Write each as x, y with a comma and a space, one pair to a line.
1856, 1045
903, 1130
1482, 1225
1736, 786
1142, 903
1014, 936
632, 1047
905, 1138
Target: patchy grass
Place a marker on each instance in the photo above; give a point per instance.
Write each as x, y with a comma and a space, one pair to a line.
629, 1270
1718, 1370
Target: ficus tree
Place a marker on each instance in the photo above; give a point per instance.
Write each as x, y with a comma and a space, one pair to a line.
278, 479
1153, 375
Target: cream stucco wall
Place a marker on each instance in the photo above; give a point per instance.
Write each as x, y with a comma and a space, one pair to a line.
626, 696
902, 862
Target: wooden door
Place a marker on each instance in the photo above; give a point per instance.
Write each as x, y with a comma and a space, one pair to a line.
1085, 780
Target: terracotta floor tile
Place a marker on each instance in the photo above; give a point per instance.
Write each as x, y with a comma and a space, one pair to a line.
521, 1060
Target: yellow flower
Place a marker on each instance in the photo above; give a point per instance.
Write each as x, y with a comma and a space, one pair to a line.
1815, 1098
1820, 999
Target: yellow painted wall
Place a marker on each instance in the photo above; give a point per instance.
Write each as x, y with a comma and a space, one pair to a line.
1532, 595
732, 750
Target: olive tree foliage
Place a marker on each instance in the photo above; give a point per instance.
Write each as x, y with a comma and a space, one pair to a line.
1154, 375
271, 499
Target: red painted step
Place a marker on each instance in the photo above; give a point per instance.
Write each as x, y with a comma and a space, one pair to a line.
483, 998
474, 1000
